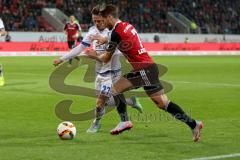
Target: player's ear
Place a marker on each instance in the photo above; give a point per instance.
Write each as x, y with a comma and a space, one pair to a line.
109, 17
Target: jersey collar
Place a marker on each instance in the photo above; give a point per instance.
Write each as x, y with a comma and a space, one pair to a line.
118, 21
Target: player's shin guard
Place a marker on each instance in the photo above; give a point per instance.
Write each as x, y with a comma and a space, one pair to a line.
179, 114
121, 107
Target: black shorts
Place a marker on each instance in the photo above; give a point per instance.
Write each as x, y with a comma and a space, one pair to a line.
146, 78
71, 44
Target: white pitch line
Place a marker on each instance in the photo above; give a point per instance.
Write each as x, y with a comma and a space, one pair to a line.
207, 83
217, 157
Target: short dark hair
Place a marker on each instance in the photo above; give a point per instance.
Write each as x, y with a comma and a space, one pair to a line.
96, 10
109, 9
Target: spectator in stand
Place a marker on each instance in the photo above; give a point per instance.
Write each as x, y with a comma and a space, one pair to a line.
23, 15
215, 16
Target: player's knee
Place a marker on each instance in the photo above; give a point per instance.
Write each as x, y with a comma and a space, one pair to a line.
163, 105
160, 100
160, 104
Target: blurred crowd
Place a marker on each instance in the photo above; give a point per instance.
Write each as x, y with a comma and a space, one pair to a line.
145, 15
25, 15
221, 16
215, 16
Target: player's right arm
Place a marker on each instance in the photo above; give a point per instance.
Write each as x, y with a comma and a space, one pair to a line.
86, 42
111, 47
73, 53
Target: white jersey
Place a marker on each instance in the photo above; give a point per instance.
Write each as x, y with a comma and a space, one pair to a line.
114, 64
1, 24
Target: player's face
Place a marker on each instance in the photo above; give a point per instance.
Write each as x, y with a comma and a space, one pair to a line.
108, 21
72, 19
98, 22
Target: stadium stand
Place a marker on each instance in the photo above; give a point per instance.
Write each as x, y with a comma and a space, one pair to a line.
212, 16
24, 15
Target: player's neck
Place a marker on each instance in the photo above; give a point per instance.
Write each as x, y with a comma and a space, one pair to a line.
115, 21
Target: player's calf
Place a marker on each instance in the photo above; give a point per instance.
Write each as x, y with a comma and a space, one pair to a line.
176, 111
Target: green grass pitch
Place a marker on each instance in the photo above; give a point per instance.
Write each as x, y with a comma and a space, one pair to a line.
208, 88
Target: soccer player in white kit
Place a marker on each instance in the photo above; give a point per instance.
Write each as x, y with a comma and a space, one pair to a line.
2, 33
107, 73
2, 28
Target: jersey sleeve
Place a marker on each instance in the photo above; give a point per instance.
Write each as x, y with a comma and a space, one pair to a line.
86, 40
115, 39
1, 24
74, 52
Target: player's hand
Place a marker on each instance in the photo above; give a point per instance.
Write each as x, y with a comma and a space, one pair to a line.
100, 39
57, 62
90, 52
75, 36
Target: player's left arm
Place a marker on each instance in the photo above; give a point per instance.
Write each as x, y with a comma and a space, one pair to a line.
111, 47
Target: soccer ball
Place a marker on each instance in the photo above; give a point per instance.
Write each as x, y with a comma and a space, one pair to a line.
66, 130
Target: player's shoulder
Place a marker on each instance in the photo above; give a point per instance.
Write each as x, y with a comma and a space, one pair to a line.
121, 26
122, 23
106, 31
67, 23
92, 29
78, 25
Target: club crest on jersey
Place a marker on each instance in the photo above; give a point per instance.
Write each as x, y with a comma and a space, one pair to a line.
125, 45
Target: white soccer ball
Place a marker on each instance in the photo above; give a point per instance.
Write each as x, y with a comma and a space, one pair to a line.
66, 130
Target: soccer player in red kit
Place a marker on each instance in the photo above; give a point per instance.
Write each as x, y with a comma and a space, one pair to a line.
145, 72
73, 31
